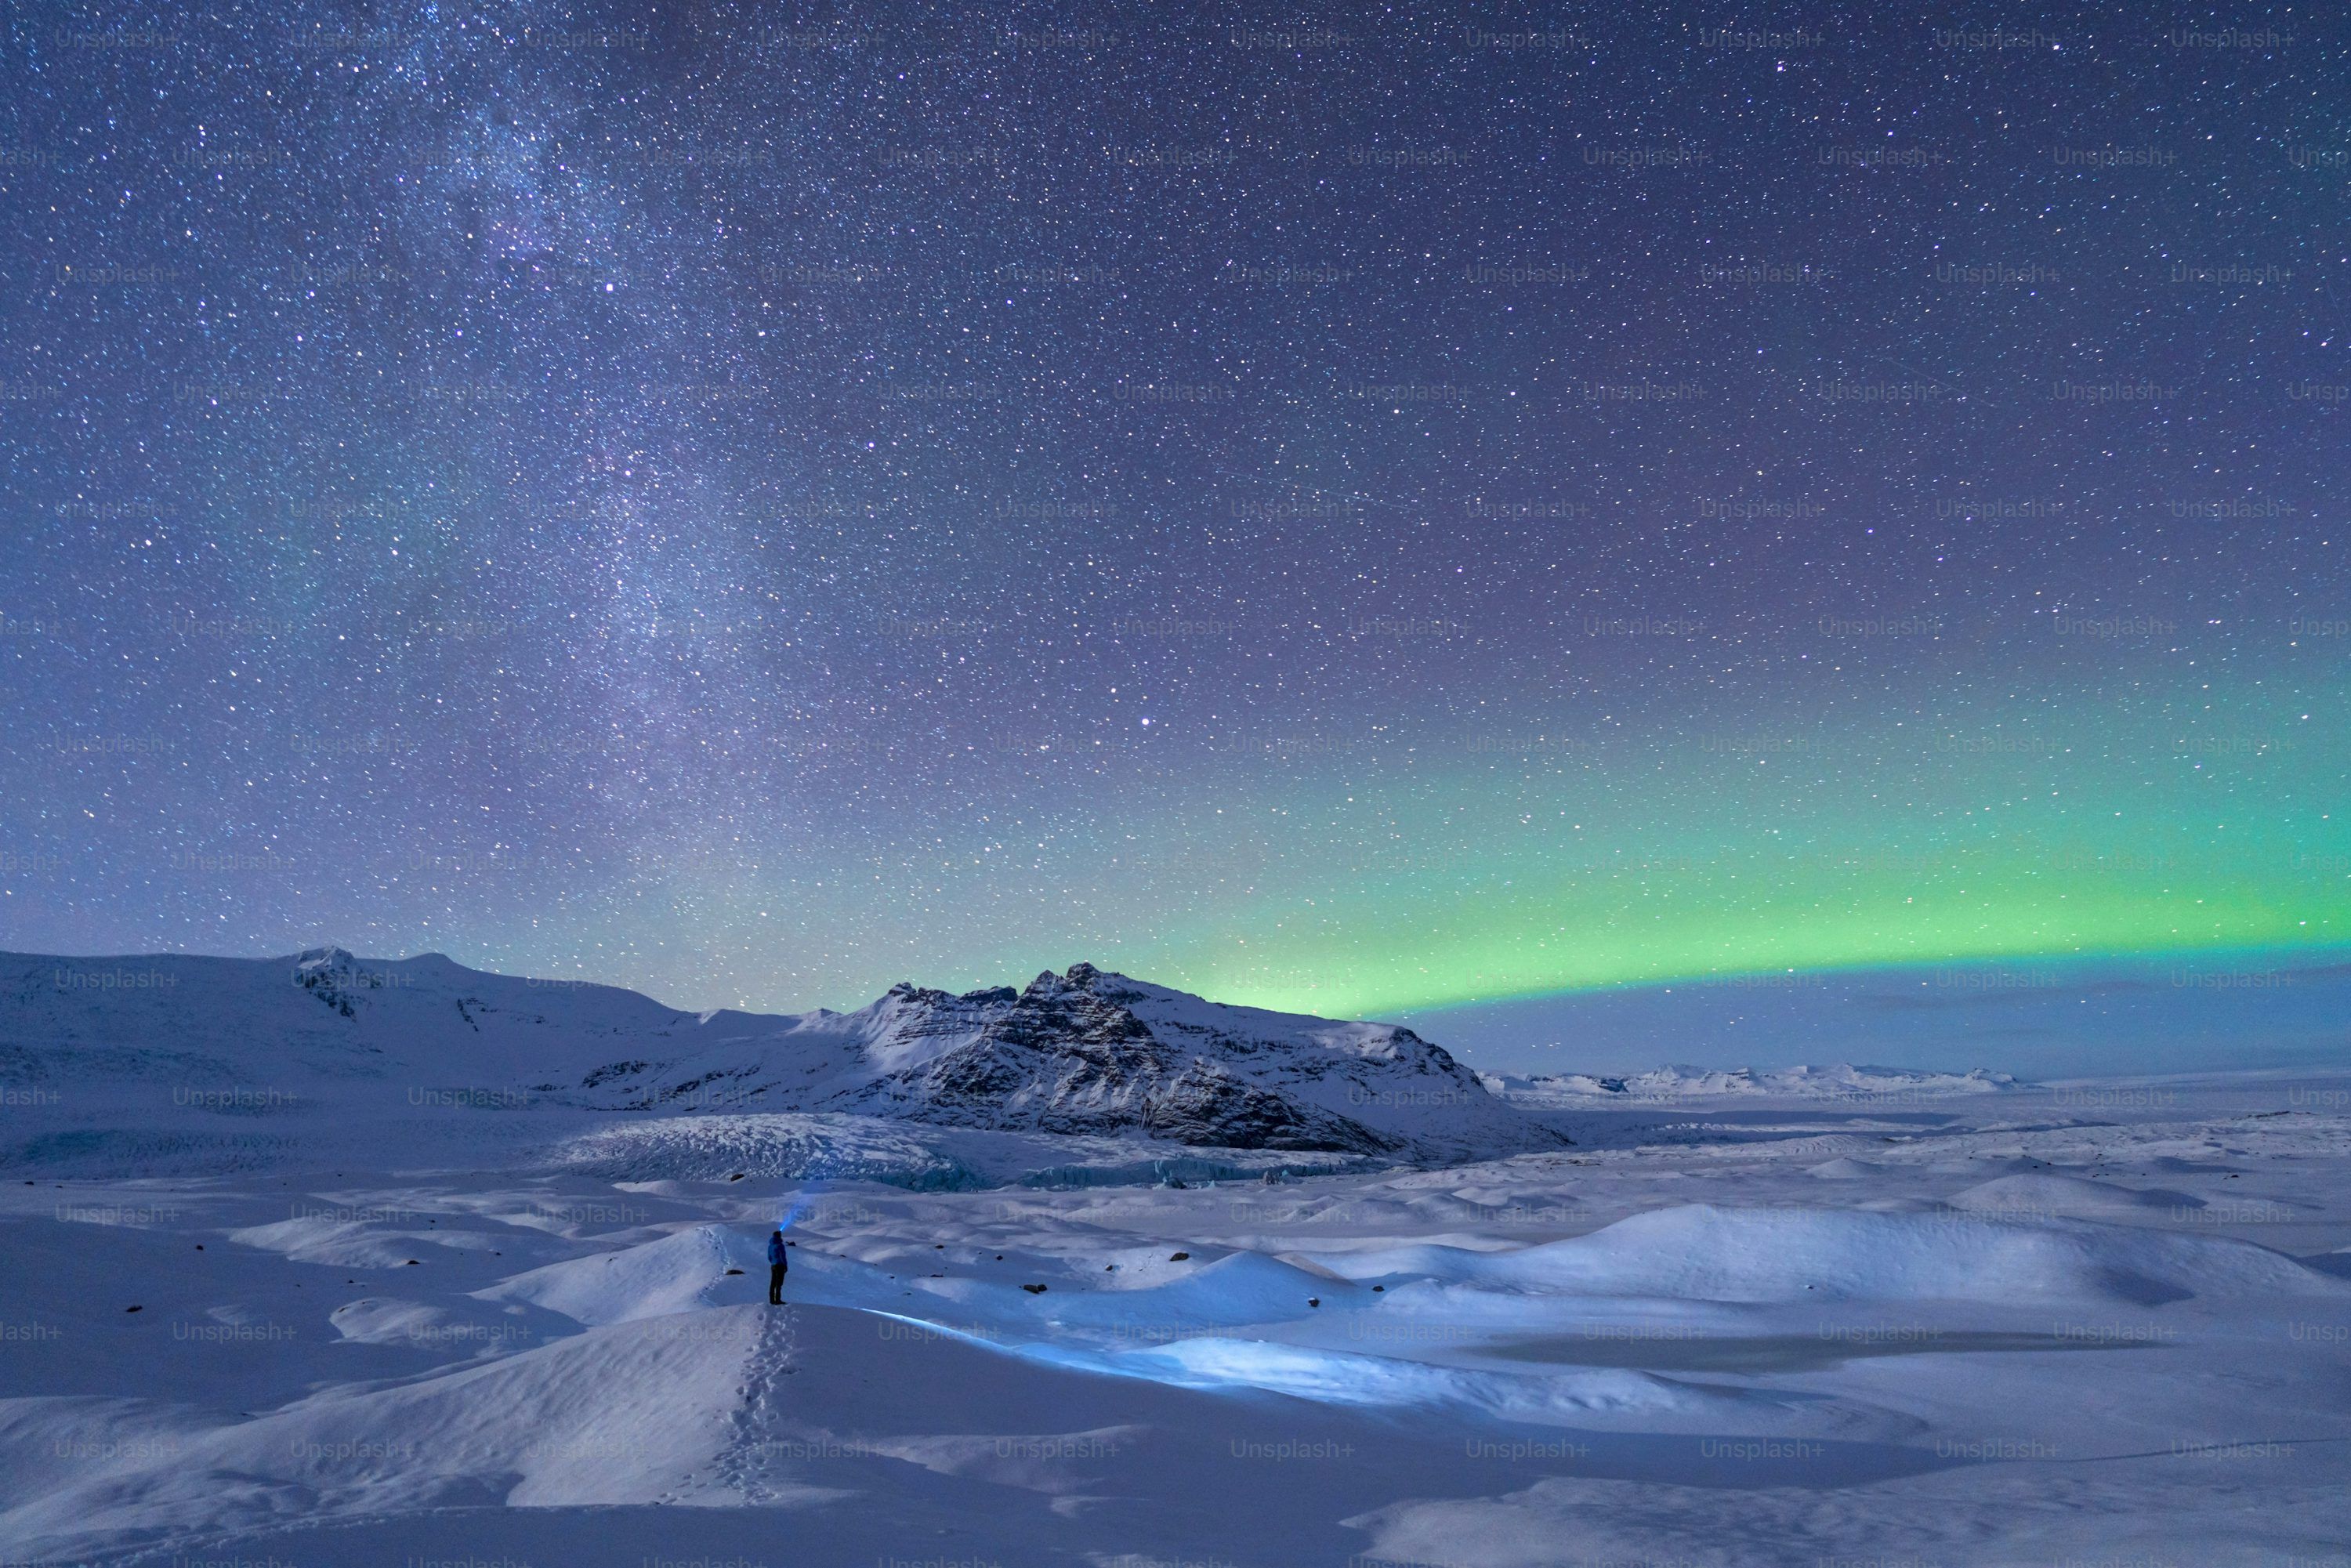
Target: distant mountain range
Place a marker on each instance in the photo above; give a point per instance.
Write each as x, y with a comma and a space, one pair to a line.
95, 1043
1844, 1082
2041, 1018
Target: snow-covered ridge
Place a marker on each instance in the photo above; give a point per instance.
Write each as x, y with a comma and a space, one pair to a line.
1087, 1052
1841, 1082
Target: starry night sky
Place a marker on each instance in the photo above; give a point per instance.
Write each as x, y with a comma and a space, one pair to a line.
1358, 510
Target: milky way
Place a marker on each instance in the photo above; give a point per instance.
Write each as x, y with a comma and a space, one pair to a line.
1347, 511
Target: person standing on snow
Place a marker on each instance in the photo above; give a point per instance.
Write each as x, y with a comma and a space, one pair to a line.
776, 1267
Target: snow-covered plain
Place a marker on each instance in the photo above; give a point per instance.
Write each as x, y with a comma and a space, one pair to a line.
1840, 1316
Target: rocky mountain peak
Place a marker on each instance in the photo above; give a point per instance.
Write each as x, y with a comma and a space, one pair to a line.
1092, 1052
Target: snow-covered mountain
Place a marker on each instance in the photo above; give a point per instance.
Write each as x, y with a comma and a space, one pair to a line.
1085, 1052
1094, 1052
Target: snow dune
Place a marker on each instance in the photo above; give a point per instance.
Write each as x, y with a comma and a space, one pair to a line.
1705, 1253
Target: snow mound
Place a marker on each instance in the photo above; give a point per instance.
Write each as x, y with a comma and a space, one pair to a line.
354, 1243
399, 1320
630, 1414
1760, 1255
2037, 1195
674, 1274
1241, 1288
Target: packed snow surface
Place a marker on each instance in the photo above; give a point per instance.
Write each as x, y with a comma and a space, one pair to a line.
284, 1280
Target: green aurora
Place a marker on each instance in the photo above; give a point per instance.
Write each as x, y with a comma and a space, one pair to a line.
1506, 862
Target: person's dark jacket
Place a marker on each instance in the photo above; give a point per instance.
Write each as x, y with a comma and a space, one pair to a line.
776, 1249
